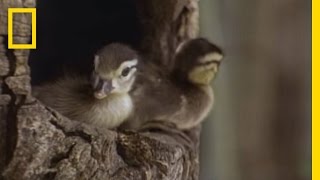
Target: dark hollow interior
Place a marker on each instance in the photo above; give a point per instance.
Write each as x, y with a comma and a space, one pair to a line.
70, 32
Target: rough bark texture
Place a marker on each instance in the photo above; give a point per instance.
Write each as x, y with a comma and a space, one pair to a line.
38, 143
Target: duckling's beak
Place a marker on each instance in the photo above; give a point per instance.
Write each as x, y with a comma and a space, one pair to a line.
102, 88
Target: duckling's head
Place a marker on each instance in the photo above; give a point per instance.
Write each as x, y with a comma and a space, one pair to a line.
114, 72
197, 61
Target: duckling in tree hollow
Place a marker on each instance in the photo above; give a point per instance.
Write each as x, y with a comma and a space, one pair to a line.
183, 96
196, 65
126, 87
102, 99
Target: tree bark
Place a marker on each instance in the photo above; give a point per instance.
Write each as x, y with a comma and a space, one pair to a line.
36, 142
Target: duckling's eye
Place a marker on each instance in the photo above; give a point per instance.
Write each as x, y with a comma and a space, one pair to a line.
125, 72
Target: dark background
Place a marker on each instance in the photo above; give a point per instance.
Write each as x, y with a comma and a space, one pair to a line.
70, 32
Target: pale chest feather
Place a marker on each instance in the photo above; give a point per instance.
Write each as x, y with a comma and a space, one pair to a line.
194, 107
110, 113
209, 103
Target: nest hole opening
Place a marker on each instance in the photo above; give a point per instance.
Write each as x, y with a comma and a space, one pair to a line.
70, 32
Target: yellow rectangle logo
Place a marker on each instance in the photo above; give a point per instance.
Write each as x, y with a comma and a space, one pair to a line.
11, 11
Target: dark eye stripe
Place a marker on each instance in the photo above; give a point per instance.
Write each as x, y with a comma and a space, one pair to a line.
208, 63
128, 69
131, 67
125, 71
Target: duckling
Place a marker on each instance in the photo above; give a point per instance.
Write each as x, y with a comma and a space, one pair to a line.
127, 89
183, 97
196, 65
103, 99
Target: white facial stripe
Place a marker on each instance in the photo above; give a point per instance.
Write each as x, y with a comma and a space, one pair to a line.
96, 62
211, 57
210, 66
133, 70
128, 63
180, 46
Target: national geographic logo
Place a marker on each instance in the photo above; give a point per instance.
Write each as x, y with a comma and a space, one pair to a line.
11, 12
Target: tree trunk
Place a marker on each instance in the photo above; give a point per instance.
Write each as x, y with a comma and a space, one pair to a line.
38, 143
